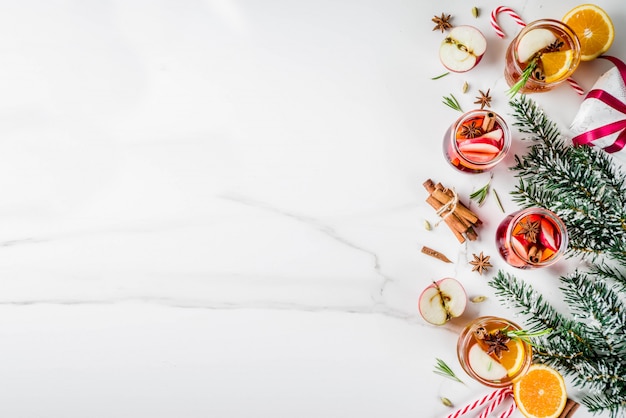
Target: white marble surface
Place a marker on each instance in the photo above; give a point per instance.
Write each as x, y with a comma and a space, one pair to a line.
214, 208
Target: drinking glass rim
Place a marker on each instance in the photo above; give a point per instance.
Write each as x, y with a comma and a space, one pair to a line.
506, 132
554, 218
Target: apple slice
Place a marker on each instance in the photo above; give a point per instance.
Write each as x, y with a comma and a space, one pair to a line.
547, 235
479, 157
462, 49
520, 246
533, 42
496, 135
442, 300
490, 147
484, 365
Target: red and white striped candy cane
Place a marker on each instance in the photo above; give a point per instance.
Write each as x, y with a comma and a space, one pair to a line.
478, 402
493, 405
504, 9
510, 410
517, 19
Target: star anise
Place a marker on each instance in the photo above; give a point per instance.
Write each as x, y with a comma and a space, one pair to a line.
554, 46
471, 130
481, 263
442, 23
496, 342
484, 99
530, 229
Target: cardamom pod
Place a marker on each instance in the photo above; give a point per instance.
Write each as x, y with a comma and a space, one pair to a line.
478, 299
475, 11
427, 225
446, 402
465, 87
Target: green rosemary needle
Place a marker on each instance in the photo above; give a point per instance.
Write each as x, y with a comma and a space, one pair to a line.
443, 369
440, 76
524, 77
452, 102
495, 193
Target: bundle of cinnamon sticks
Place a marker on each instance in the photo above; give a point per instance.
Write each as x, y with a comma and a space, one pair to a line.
454, 213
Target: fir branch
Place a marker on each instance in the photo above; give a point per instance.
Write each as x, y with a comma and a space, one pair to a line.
580, 184
576, 348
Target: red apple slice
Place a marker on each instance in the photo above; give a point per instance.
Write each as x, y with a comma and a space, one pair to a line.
462, 49
496, 135
520, 246
442, 300
547, 235
490, 147
479, 157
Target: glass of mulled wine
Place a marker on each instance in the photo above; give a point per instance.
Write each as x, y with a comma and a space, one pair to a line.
547, 51
490, 354
531, 238
477, 141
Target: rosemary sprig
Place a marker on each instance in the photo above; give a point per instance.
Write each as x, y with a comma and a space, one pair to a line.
440, 76
452, 102
442, 369
481, 194
524, 77
525, 335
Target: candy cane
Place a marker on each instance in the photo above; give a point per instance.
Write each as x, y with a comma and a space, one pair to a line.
478, 402
517, 19
503, 9
508, 412
576, 86
490, 408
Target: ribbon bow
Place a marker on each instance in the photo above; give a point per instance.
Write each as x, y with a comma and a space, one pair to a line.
587, 138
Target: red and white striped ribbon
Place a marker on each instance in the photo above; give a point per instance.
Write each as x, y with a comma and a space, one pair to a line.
497, 396
517, 19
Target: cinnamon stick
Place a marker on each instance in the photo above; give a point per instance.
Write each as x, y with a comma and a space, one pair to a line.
570, 408
459, 218
489, 122
467, 213
452, 221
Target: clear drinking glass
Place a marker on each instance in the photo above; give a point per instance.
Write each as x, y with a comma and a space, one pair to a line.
477, 141
552, 46
530, 238
495, 367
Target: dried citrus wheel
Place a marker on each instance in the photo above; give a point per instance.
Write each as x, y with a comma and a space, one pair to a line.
540, 393
513, 360
594, 29
556, 65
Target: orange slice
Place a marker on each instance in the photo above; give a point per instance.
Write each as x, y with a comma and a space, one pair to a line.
594, 29
540, 393
513, 360
556, 65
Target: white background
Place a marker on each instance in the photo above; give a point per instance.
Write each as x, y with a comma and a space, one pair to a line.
214, 208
